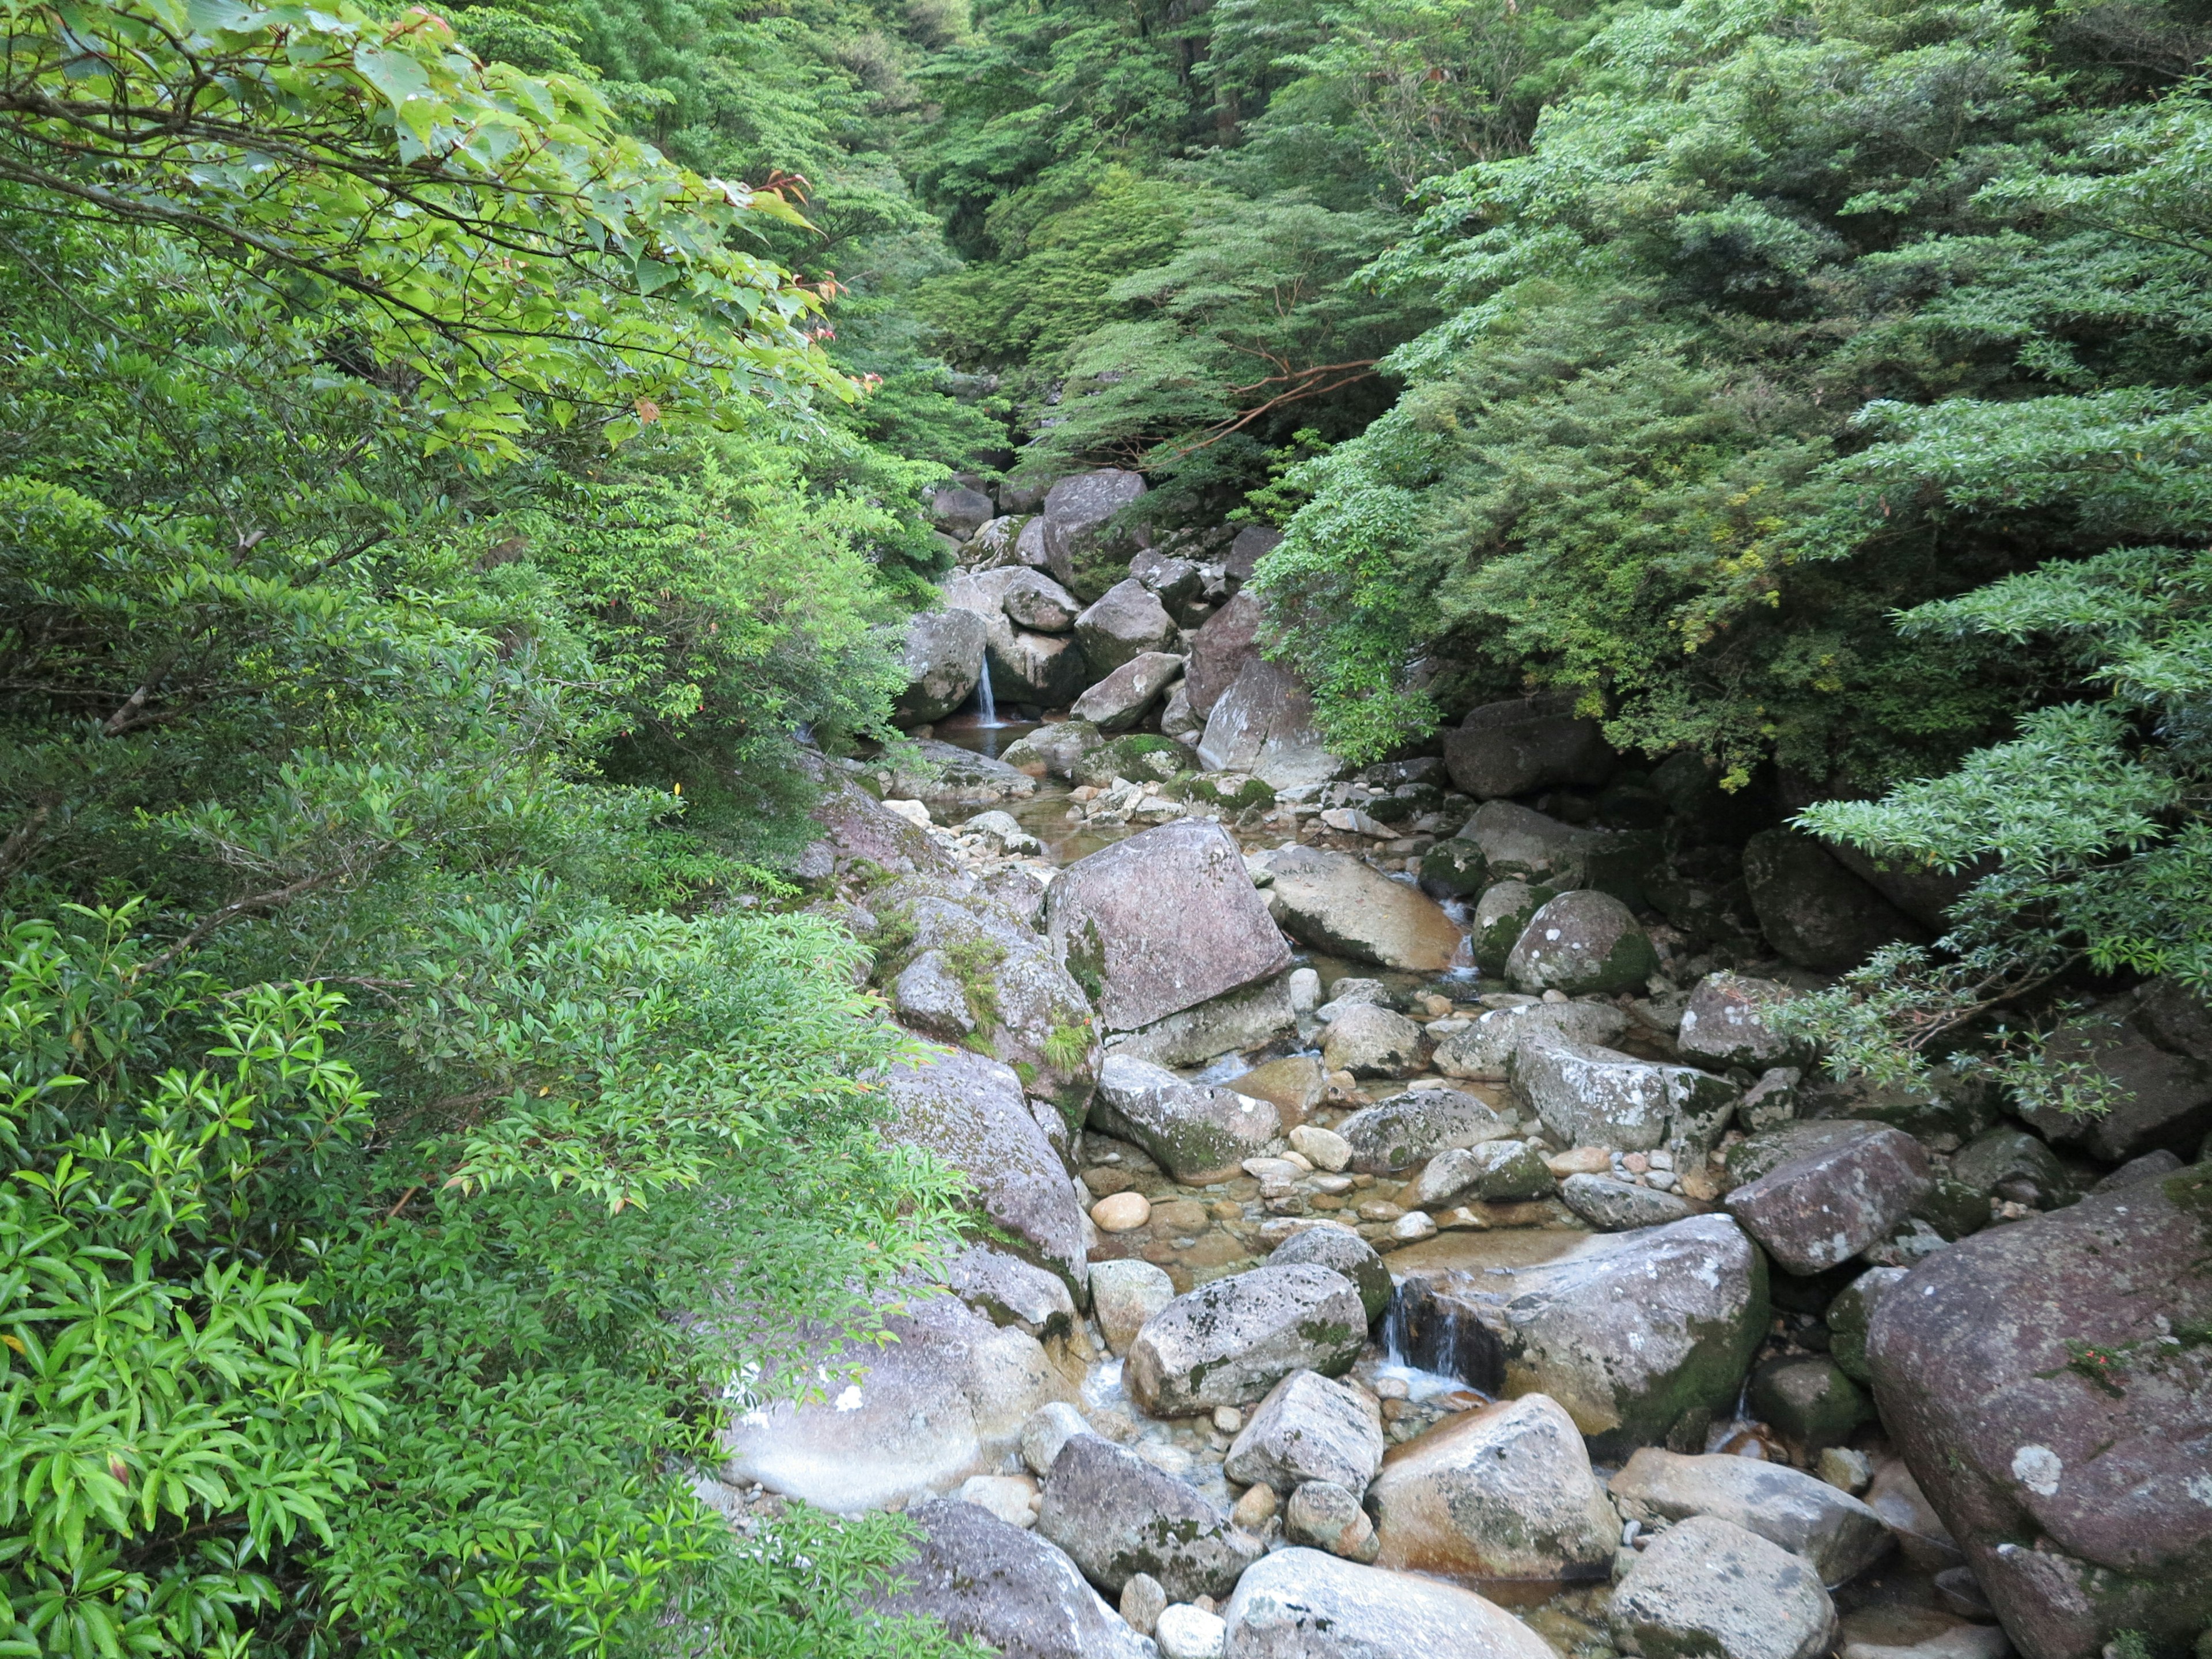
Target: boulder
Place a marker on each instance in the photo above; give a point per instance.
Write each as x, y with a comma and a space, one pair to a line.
953, 776
1823, 1206
1229, 1342
1809, 1400
1033, 600
1496, 1171
1594, 1097
945, 1399
1229, 1023
1630, 1332
1029, 544
1324, 1149
1833, 1533
1011, 1498
1049, 1428
1126, 622
1308, 1604
1393, 1136
1849, 1315
979, 1577
1336, 902
1162, 922
1580, 942
943, 660
1219, 653
1008, 1290
1614, 1207
1023, 494
1124, 1294
1454, 869
1176, 719
1116, 1517
1076, 539
1263, 724
1045, 669
1769, 1150
971, 1112
1340, 1250
1502, 915
1308, 1428
1253, 543
858, 831
1503, 1492
1524, 744
1482, 1051
1722, 1026
1329, 1518
1814, 911
1369, 1041
1125, 696
1707, 1587
1519, 844
1195, 1131
960, 511
1296, 1083
2156, 1050
2015, 1164
2031, 1378
1188, 1632
994, 544
1062, 745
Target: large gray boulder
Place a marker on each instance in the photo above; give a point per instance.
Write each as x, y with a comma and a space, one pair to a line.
970, 1111
1060, 747
1814, 911
946, 774
1823, 1206
1309, 1604
1527, 743
2155, 1047
1308, 1428
1162, 922
1367, 1040
960, 511
1229, 1342
1126, 622
1482, 1052
1253, 543
1503, 1492
1706, 1587
1497, 1171
1229, 639
1116, 1517
1521, 844
1045, 669
1392, 1136
1616, 1206
2042, 1383
857, 834
1594, 1097
943, 660
1125, 696
1580, 942
1263, 724
1008, 1290
1835, 1534
1336, 902
1502, 915
1724, 1024
1076, 511
1033, 600
1229, 1023
1124, 1294
909, 1419
1195, 1131
1340, 1250
1629, 1332
2013, 1163
976, 1576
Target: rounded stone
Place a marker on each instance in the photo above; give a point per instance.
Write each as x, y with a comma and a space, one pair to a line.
1580, 942
1121, 1213
1343, 1251
1184, 1632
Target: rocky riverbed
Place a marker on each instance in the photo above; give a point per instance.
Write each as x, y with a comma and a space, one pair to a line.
1402, 1228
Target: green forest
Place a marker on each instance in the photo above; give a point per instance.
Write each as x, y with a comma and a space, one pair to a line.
461, 470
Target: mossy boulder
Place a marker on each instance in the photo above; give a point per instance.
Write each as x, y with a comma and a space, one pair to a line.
1502, 915
1455, 869
1582, 942
1139, 756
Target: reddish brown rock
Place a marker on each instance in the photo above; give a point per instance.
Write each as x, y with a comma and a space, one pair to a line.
1823, 1208
1219, 652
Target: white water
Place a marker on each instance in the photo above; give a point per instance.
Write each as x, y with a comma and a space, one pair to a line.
990, 703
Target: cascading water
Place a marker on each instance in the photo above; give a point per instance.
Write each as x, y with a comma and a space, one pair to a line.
988, 703
1439, 1347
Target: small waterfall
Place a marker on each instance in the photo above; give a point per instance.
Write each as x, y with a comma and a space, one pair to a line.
1425, 1332
989, 703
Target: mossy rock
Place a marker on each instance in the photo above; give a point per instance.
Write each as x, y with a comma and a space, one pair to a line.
1141, 758
1501, 916
1227, 792
1456, 869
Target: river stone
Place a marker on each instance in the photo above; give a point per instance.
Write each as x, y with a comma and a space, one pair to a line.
2151, 1166
1229, 1342
1580, 942
1162, 922
1340, 1250
1394, 1135
1836, 1535
1521, 844
858, 831
1614, 1207
1722, 1025
945, 1399
1328, 1517
1047, 1429
1032, 599
1367, 1040
2016, 1159
1076, 510
1325, 1149
1124, 1294
1335, 902
1197, 1133
1850, 1314
1497, 1171
2157, 1050
1503, 1492
1296, 1083
1308, 1428
1047, 669
1176, 719
1263, 724
979, 1577
1760, 1154
1982, 1368
1124, 697
1229, 1023
1127, 622
1502, 915
1309, 1604
1813, 911
943, 660
1823, 1206
1593, 1097
1706, 1587
1221, 648
971, 1112
1116, 1515
1629, 1332
1063, 744
1143, 1602
945, 772
1482, 1051
960, 511
1186, 1633
1809, 1400
1008, 1290
1526, 744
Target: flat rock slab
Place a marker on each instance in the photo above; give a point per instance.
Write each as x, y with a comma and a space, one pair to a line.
1706, 1587
1229, 1342
979, 1577
1334, 903
1481, 1052
1263, 724
1392, 1135
1835, 1534
1162, 922
1308, 1428
1595, 1096
1614, 1207
1823, 1206
1116, 1517
2029, 1377
1307, 1604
